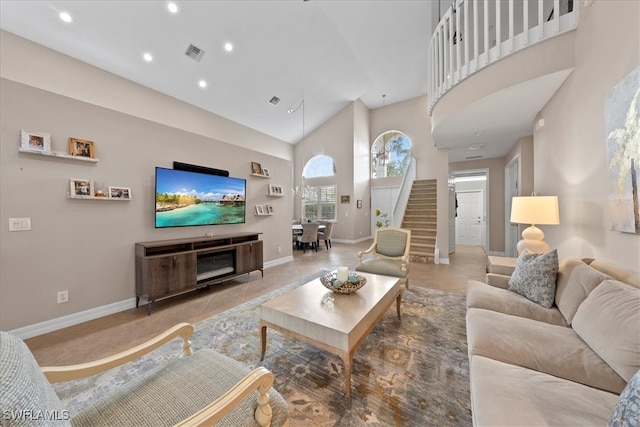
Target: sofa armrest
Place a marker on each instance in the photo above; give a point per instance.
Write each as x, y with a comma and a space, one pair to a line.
72, 372
497, 280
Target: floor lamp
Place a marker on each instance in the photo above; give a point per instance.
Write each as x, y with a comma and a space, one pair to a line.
534, 210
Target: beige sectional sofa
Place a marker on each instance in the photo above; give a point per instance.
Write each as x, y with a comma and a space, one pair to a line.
565, 365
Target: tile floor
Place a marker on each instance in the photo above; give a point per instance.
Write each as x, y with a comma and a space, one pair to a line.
111, 334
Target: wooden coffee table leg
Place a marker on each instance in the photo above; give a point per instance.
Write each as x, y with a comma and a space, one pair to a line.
263, 341
347, 373
398, 305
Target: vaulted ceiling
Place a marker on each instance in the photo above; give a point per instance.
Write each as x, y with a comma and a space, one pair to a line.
328, 52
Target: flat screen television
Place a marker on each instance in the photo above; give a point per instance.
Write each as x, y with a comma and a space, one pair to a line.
185, 199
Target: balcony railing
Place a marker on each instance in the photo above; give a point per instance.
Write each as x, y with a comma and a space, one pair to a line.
475, 33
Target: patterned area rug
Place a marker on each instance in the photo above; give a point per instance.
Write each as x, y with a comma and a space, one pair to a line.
408, 372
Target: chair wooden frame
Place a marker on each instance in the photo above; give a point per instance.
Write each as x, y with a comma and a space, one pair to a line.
403, 259
259, 379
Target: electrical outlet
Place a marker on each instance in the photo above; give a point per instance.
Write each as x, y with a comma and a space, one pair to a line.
63, 296
279, 249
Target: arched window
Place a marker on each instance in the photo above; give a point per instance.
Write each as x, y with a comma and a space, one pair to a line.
390, 154
319, 202
319, 166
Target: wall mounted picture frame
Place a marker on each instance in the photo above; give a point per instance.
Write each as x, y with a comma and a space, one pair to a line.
81, 148
80, 187
276, 190
119, 192
256, 168
345, 199
266, 172
35, 141
259, 210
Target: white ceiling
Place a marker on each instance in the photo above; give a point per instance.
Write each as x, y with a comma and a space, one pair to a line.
328, 52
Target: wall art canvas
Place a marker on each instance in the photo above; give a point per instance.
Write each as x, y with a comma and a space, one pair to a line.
622, 130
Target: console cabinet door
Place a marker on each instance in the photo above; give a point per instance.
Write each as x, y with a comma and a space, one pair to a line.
171, 274
249, 257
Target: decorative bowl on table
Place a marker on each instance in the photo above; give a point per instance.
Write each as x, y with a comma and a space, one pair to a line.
352, 284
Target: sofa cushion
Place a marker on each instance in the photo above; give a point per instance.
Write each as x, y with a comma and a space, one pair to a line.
552, 349
481, 295
23, 387
619, 273
508, 395
626, 413
575, 281
535, 277
609, 321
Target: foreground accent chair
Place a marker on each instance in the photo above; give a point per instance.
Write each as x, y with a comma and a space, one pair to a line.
196, 389
389, 254
326, 234
309, 236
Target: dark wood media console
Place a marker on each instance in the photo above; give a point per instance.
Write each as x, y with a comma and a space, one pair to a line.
169, 267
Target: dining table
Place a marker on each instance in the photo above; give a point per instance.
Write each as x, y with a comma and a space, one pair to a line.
297, 228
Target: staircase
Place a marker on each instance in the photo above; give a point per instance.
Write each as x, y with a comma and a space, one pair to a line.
420, 217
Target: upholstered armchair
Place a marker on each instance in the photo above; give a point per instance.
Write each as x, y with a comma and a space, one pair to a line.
388, 255
199, 388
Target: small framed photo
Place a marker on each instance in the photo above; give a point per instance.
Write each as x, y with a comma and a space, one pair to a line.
35, 141
259, 210
119, 192
81, 187
80, 147
275, 190
265, 172
256, 168
345, 199
269, 209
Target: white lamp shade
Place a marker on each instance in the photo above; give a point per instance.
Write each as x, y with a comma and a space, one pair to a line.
535, 210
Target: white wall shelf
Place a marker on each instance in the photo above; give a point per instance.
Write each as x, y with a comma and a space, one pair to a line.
59, 154
110, 199
260, 175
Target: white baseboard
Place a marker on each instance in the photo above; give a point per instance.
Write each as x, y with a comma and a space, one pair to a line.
362, 239
95, 313
278, 261
73, 319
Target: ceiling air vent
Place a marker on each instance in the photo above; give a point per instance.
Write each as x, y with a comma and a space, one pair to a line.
194, 52
274, 100
472, 157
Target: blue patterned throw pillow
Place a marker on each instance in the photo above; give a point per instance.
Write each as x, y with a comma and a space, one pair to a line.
535, 277
626, 413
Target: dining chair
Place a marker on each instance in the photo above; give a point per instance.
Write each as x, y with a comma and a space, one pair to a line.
326, 234
309, 236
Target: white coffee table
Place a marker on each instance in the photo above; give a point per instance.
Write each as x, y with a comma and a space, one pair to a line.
333, 322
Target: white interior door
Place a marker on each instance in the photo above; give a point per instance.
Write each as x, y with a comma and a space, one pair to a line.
469, 222
382, 198
452, 219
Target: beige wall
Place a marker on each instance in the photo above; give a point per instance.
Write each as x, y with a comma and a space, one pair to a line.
570, 154
87, 246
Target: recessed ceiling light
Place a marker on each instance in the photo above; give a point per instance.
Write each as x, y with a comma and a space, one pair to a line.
228, 47
202, 84
65, 17
147, 57
173, 8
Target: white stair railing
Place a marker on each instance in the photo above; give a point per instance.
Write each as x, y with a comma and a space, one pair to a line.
403, 195
475, 33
